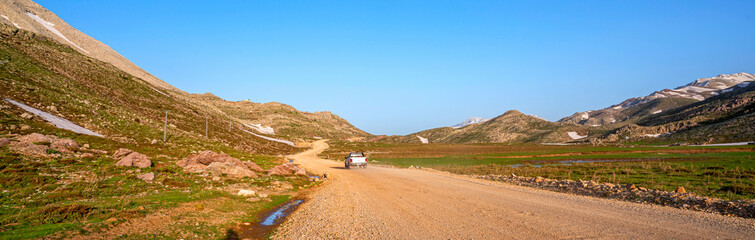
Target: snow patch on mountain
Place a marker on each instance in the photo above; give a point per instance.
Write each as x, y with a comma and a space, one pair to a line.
290, 143
472, 120
575, 135
50, 26
14, 24
423, 140
58, 121
261, 129
657, 112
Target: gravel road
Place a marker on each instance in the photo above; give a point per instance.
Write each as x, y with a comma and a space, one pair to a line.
392, 203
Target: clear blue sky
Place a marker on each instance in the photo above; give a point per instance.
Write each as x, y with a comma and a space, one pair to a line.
396, 67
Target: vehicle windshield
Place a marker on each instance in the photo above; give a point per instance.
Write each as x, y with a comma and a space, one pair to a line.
356, 154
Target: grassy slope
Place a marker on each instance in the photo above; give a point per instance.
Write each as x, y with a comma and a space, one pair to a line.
43, 196
286, 120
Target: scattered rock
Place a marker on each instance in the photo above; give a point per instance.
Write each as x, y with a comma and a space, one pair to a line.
301, 172
85, 146
87, 155
253, 166
64, 145
253, 199
111, 220
146, 176
121, 152
27, 115
30, 149
217, 164
154, 141
262, 195
25, 127
246, 192
4, 142
135, 159
229, 169
34, 138
678, 198
216, 179
285, 169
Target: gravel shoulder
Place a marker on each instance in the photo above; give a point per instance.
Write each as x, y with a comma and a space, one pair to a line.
392, 203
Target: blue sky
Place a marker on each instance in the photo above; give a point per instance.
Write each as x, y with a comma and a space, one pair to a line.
397, 67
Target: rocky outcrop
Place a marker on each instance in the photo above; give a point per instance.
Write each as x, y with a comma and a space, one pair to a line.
121, 152
38, 145
680, 198
134, 159
229, 169
146, 176
217, 164
286, 169
34, 138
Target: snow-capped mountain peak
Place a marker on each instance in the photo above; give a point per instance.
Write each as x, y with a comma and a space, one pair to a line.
469, 121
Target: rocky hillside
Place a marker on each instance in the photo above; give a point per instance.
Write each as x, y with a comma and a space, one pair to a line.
283, 120
725, 117
40, 72
510, 127
664, 100
30, 16
290, 123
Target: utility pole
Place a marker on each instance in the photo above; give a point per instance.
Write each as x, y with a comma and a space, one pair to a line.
165, 133
206, 125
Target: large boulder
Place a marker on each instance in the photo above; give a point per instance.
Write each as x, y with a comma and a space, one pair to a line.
229, 169
30, 149
286, 169
146, 176
206, 158
217, 164
4, 142
253, 166
34, 138
66, 145
121, 152
135, 159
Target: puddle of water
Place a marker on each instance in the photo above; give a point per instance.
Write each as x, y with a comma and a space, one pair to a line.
271, 220
280, 212
601, 160
522, 165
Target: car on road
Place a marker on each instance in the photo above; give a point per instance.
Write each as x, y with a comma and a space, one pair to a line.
355, 159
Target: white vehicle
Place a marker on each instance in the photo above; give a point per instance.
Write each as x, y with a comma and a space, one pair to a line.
355, 159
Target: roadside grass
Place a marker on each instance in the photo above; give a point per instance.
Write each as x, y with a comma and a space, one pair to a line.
726, 172
47, 196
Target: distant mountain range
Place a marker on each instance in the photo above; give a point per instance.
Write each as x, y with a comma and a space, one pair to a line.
695, 91
717, 109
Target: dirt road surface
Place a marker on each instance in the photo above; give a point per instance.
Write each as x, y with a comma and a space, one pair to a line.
391, 203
